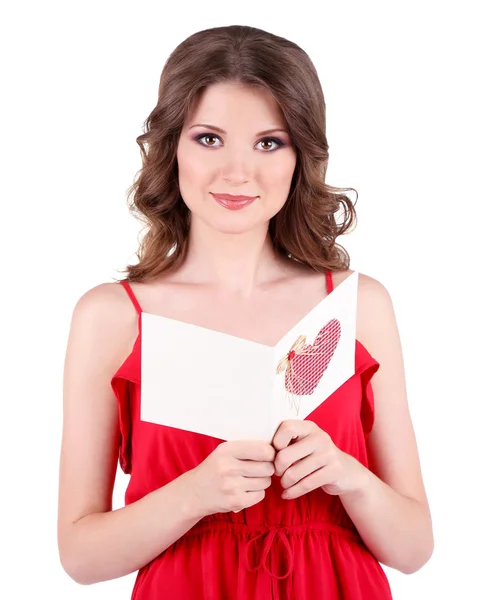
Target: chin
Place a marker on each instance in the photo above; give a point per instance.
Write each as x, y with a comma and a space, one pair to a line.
237, 225
232, 222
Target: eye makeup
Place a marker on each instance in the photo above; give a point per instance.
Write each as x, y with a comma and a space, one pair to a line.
278, 141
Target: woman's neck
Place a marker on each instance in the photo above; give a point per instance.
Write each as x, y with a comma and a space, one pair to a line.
233, 262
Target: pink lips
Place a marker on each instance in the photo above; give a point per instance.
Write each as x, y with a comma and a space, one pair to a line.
234, 202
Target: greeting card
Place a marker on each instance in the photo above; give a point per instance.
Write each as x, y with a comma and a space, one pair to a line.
231, 388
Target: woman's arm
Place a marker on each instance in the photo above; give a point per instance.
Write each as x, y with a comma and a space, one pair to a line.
96, 543
387, 503
391, 512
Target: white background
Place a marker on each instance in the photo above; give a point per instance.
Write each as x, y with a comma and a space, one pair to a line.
410, 103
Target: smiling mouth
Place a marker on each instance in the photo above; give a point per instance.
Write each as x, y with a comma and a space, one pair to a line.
234, 202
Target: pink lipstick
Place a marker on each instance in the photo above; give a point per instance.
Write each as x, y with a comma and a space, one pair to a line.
234, 202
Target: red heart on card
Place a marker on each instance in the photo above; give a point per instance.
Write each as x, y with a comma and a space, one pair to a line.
307, 365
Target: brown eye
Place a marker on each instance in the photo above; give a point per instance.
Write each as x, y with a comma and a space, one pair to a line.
274, 142
206, 136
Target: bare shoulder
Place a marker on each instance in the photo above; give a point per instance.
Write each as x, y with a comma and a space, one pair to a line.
103, 302
375, 312
106, 313
369, 289
372, 291
376, 322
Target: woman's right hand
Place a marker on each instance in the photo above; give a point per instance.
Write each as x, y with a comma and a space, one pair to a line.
233, 477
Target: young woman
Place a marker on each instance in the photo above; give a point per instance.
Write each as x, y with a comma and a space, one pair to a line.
241, 239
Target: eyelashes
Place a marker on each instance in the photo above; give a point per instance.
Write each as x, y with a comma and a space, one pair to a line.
275, 140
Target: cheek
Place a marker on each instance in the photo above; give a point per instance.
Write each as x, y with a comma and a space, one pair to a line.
279, 173
194, 176
277, 183
190, 166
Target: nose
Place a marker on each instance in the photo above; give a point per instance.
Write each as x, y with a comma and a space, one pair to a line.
237, 166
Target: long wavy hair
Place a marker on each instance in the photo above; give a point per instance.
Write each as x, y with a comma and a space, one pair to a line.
306, 228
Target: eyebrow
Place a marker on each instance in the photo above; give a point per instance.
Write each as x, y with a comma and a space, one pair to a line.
214, 128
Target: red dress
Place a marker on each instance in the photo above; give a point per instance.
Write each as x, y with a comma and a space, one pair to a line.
307, 548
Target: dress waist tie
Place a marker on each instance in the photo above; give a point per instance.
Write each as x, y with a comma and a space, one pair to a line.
267, 559
263, 563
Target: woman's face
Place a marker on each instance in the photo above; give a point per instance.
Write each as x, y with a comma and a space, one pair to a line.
224, 148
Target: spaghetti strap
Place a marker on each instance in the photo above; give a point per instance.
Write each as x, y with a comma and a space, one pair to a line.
330, 285
130, 293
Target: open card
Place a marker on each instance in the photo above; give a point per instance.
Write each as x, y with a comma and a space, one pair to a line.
231, 388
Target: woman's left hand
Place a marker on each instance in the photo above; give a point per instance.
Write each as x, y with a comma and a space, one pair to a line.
313, 461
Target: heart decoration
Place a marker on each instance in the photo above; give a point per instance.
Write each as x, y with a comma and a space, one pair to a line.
305, 364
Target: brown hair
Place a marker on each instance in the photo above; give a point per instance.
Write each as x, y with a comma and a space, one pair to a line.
305, 229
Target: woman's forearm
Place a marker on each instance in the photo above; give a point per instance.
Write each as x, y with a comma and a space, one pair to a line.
103, 546
395, 528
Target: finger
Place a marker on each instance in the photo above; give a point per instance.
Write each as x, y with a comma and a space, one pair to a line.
253, 450
312, 482
254, 498
290, 430
256, 484
251, 468
302, 469
293, 453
